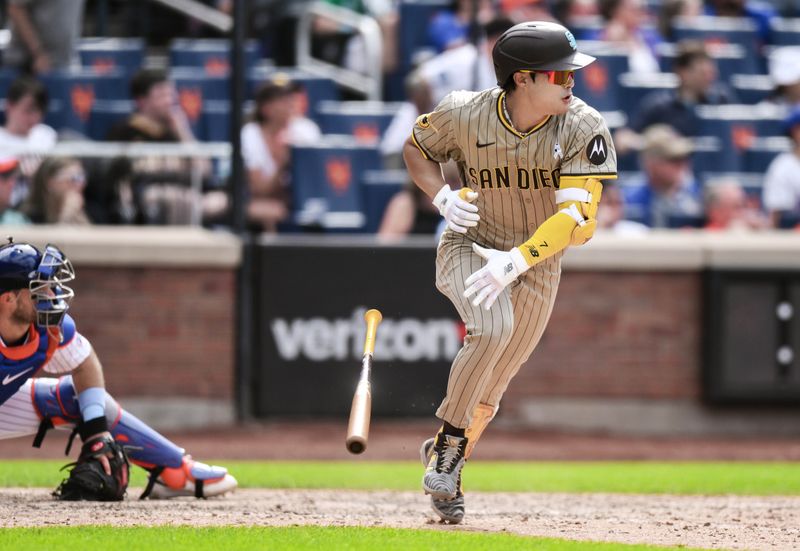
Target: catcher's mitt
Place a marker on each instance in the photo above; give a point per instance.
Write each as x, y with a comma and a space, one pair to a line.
87, 479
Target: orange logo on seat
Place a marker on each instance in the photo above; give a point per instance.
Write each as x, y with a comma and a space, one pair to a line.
596, 77
103, 65
216, 66
742, 136
191, 100
82, 97
366, 133
338, 173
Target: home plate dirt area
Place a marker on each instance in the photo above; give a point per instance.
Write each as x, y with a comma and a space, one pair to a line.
717, 522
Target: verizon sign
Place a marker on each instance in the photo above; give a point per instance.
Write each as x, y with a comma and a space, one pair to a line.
404, 339
309, 318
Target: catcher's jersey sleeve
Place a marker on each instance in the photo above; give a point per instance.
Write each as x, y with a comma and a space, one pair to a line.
590, 152
436, 133
72, 350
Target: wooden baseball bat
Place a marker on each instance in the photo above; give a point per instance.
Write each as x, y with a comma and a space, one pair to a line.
361, 409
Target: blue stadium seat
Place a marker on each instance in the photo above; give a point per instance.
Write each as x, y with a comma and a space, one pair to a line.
597, 84
751, 89
762, 151
7, 75
415, 15
730, 59
737, 126
105, 54
317, 88
326, 182
77, 90
714, 31
585, 27
364, 120
105, 115
216, 122
709, 155
379, 186
635, 86
210, 55
785, 31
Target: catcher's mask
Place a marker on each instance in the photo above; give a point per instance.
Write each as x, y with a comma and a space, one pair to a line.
44, 273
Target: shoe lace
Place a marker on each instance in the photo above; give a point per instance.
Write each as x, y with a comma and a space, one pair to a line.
448, 457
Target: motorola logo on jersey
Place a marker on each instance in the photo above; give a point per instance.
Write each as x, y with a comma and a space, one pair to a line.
597, 150
522, 178
404, 339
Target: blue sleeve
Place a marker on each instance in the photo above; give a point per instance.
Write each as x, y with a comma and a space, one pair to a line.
67, 330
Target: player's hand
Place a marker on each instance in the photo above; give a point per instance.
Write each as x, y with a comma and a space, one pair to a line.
502, 267
102, 458
457, 208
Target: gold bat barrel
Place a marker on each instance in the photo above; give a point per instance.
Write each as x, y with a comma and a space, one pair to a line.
360, 410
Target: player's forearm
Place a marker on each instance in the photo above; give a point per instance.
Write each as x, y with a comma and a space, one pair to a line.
88, 374
427, 175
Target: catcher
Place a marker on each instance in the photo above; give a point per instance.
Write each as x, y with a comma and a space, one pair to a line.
37, 336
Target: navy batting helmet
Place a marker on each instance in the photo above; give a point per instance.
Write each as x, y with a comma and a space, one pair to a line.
23, 266
536, 46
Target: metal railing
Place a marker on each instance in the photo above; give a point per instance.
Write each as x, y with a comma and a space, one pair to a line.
366, 27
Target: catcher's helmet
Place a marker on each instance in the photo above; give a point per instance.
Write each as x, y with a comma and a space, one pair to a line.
536, 46
44, 273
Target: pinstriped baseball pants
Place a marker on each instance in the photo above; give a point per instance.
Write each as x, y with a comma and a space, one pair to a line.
498, 341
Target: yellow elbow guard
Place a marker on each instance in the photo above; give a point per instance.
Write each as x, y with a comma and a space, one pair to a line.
580, 200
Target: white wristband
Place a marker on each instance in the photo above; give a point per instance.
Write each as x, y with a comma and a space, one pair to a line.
439, 198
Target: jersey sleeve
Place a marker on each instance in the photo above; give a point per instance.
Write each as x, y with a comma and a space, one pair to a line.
591, 152
435, 133
73, 349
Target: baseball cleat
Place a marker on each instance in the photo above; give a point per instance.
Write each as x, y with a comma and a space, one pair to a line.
444, 468
193, 478
449, 510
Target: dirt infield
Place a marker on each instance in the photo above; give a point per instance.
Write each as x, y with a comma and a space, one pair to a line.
717, 522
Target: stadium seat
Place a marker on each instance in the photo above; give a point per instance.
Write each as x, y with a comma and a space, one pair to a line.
105, 54
716, 31
737, 126
785, 31
597, 84
216, 121
758, 155
379, 186
415, 15
105, 114
77, 90
326, 182
751, 89
730, 59
316, 88
366, 121
7, 75
709, 155
635, 86
210, 55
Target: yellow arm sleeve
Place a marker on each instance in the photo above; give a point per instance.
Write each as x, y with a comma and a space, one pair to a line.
573, 224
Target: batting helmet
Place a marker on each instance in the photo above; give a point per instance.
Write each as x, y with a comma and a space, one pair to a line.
536, 46
23, 266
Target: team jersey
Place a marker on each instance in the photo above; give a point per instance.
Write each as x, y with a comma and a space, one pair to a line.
58, 351
515, 174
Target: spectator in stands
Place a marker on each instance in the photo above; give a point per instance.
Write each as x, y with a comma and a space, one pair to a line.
464, 67
761, 13
781, 196
727, 207
625, 22
44, 34
266, 142
451, 28
158, 187
784, 70
9, 167
670, 9
611, 214
410, 211
698, 84
56, 195
26, 105
667, 194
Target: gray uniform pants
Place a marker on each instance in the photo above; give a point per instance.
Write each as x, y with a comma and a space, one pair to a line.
498, 341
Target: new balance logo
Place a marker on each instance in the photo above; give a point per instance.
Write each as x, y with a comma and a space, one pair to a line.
508, 268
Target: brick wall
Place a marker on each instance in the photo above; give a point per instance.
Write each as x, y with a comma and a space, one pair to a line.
160, 331
618, 335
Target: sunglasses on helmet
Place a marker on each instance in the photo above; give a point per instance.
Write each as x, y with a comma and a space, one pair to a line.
561, 78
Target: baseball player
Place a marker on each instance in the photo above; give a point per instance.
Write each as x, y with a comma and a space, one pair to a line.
531, 158
38, 337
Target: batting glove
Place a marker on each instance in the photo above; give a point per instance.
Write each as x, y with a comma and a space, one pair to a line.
457, 208
502, 267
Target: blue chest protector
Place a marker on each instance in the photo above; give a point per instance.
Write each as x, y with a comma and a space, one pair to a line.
20, 363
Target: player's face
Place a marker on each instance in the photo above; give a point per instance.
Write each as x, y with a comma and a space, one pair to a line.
551, 91
25, 311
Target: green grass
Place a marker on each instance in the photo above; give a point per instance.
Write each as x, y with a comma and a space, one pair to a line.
617, 477
295, 538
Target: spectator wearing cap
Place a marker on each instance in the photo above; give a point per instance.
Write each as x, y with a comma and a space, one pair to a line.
611, 214
451, 28
781, 194
266, 142
9, 167
667, 193
784, 70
